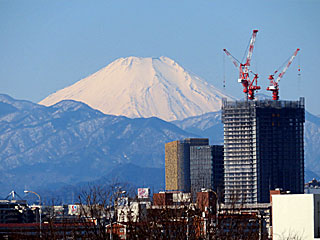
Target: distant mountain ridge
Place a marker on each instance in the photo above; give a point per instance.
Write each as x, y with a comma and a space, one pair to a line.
208, 125
144, 87
71, 142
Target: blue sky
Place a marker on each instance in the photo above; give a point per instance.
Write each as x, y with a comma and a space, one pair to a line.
48, 45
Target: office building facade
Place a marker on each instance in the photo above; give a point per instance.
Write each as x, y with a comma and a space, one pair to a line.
263, 148
206, 168
177, 163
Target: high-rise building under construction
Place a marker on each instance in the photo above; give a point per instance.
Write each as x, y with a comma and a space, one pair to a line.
263, 148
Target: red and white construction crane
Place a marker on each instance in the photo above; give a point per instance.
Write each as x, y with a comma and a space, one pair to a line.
274, 84
249, 87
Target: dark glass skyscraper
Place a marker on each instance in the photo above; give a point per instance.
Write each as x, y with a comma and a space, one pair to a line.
206, 168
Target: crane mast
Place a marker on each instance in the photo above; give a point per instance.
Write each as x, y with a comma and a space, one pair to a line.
274, 84
249, 87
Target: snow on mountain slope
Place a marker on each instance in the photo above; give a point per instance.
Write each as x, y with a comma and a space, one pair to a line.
144, 87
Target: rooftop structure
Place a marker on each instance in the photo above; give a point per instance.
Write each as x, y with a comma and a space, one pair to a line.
15, 211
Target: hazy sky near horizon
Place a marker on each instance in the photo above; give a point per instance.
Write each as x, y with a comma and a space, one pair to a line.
48, 45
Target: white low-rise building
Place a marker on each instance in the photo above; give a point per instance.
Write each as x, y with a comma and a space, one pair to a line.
296, 216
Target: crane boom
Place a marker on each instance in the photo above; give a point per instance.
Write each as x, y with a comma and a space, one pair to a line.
248, 87
233, 59
288, 65
252, 41
274, 84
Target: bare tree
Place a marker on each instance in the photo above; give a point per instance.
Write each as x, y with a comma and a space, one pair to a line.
98, 208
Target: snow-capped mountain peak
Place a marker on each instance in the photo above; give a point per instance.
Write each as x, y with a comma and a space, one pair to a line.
144, 87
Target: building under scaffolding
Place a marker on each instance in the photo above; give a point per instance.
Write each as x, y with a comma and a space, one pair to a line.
263, 148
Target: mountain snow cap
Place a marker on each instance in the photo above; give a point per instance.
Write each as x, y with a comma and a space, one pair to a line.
144, 87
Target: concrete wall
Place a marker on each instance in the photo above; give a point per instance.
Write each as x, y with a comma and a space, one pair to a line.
293, 216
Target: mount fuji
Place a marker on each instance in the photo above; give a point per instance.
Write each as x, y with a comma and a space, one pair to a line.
138, 87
